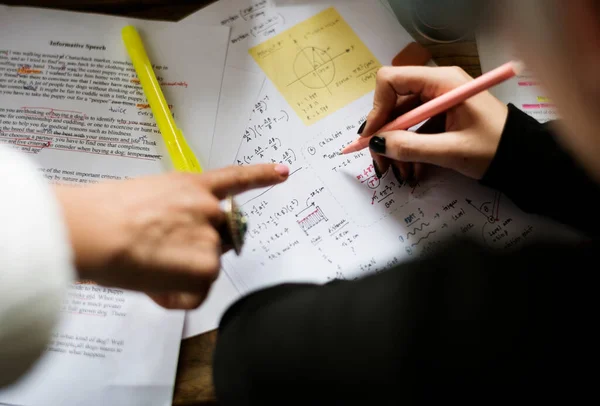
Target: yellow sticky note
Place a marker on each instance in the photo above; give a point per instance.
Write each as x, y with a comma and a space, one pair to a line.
319, 65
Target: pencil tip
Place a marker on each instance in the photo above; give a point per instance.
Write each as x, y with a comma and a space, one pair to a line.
349, 148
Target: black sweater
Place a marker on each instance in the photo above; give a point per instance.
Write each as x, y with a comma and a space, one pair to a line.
462, 325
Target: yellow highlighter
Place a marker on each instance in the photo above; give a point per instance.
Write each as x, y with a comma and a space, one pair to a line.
182, 156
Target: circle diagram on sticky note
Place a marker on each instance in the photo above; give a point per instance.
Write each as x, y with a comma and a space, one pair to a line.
314, 68
319, 65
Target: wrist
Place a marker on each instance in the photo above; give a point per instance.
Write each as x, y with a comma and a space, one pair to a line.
94, 229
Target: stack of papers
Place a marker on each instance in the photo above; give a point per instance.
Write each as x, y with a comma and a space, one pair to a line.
257, 110
249, 81
70, 99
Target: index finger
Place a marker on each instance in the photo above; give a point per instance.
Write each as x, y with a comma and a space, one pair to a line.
425, 81
385, 100
238, 179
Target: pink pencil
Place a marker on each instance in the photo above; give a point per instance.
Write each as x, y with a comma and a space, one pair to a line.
443, 102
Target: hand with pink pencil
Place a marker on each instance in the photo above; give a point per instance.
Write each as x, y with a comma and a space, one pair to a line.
463, 134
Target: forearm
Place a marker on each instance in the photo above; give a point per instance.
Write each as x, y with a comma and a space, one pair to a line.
538, 175
35, 264
96, 228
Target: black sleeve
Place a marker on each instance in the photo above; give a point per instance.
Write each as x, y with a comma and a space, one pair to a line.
540, 177
462, 325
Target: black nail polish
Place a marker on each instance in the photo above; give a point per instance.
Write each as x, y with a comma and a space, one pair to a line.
410, 176
413, 182
377, 171
377, 144
362, 127
397, 175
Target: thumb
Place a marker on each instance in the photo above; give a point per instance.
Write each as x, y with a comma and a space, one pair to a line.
407, 146
178, 300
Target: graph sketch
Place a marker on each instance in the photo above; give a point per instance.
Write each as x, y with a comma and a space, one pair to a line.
319, 65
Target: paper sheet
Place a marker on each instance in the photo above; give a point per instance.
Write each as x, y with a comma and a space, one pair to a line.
239, 91
251, 23
202, 79
205, 318
319, 65
69, 97
333, 212
240, 84
524, 90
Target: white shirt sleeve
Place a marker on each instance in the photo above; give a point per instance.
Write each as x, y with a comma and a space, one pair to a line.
36, 264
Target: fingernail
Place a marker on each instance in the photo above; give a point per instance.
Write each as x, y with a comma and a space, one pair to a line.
377, 144
411, 178
377, 171
282, 170
187, 300
362, 127
410, 175
397, 175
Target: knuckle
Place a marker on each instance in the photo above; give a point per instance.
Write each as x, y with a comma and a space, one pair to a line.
191, 201
384, 73
457, 70
211, 236
243, 177
373, 113
403, 149
210, 206
190, 302
407, 153
458, 73
187, 193
460, 147
182, 179
212, 265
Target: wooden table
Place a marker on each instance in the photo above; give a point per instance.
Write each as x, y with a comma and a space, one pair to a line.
194, 374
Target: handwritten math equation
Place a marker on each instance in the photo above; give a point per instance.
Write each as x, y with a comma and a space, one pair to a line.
335, 211
262, 141
259, 20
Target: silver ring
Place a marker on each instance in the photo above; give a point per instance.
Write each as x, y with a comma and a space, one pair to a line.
236, 224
